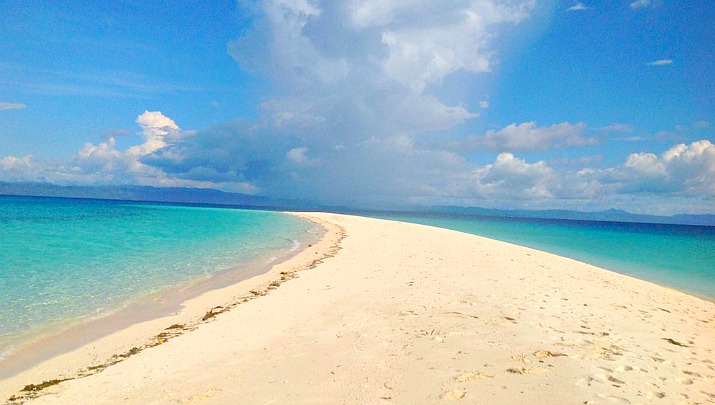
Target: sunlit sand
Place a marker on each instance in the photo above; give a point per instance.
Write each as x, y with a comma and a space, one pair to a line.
388, 312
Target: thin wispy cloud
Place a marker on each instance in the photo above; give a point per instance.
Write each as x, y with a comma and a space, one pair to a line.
528, 137
11, 106
640, 4
102, 83
617, 127
577, 7
661, 62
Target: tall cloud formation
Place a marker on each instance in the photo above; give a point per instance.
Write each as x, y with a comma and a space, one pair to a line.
354, 88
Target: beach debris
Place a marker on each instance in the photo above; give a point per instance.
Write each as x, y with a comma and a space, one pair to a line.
460, 314
39, 387
213, 312
32, 391
453, 395
675, 342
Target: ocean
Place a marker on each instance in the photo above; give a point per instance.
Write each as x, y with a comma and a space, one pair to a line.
69, 260
676, 256
64, 261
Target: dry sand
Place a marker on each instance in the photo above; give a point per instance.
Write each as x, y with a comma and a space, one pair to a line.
387, 312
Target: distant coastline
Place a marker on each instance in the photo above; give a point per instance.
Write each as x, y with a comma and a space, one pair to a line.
212, 197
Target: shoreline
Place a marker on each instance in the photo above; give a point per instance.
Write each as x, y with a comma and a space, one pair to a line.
173, 302
662, 272
391, 304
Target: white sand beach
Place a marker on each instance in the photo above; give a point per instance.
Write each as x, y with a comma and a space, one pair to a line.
382, 312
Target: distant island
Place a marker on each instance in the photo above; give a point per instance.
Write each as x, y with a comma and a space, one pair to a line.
181, 195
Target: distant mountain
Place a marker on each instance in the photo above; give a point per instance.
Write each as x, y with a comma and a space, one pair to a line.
612, 215
217, 197
153, 194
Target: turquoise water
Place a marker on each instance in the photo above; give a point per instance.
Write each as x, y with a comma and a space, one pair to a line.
64, 259
678, 256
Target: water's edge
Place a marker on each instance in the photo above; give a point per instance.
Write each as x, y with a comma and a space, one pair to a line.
168, 301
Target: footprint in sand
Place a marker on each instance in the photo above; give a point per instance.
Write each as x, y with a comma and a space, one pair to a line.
472, 376
524, 370
614, 399
609, 378
453, 395
655, 395
692, 373
584, 382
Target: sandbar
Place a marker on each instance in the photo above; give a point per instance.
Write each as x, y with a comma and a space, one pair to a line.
383, 312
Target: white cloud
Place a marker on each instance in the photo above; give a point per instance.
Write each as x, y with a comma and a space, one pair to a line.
12, 163
442, 40
528, 136
103, 163
641, 4
577, 7
11, 106
156, 130
299, 156
661, 62
618, 128
683, 170
329, 60
514, 178
701, 124
484, 104
631, 138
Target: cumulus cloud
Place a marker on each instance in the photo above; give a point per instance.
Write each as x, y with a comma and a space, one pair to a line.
529, 136
682, 169
372, 60
11, 106
515, 177
156, 130
12, 163
661, 62
103, 163
577, 7
353, 91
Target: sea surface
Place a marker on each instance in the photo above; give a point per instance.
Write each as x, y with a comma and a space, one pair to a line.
68, 260
676, 256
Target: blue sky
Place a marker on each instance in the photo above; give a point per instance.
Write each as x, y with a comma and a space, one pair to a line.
379, 103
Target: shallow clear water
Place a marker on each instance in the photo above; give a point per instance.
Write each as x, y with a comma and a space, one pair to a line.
65, 259
679, 256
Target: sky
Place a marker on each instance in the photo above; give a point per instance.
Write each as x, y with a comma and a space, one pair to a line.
528, 104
